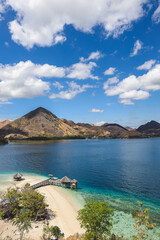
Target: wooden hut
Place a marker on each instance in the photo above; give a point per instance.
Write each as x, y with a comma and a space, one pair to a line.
17, 177
74, 184
66, 182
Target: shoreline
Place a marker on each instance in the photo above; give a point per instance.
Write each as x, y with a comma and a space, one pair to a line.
65, 203
62, 202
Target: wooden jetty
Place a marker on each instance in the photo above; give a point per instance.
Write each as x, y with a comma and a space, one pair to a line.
64, 182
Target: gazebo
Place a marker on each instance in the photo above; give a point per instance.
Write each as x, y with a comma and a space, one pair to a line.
66, 182
50, 175
17, 177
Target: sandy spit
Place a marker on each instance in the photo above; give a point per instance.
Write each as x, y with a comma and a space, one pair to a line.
64, 208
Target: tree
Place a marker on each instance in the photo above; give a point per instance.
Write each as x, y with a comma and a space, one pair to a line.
11, 203
22, 222
33, 201
48, 232
55, 231
96, 218
16, 200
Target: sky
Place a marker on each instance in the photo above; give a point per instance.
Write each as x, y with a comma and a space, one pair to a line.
92, 61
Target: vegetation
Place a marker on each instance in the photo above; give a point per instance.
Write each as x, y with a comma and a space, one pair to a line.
23, 206
53, 231
143, 225
96, 218
82, 237
22, 222
39, 138
3, 140
26, 200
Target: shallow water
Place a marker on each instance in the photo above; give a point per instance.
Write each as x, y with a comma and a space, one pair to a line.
117, 171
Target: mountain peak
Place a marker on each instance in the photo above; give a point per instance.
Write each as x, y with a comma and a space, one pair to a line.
39, 110
150, 125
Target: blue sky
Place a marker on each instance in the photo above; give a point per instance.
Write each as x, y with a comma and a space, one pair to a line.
89, 61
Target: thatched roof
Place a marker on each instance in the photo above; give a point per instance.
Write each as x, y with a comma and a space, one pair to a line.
74, 181
50, 175
17, 176
65, 180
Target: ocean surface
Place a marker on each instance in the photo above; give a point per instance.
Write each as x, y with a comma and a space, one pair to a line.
120, 172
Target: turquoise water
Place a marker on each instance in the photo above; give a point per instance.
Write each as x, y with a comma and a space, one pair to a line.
120, 172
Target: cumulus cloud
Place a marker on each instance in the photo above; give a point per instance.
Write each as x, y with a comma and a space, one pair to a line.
28, 80
23, 80
94, 110
72, 91
156, 15
110, 81
137, 47
42, 22
82, 71
110, 71
147, 65
135, 88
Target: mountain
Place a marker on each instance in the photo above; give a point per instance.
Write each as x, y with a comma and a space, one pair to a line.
150, 129
41, 123
37, 123
116, 130
4, 123
107, 130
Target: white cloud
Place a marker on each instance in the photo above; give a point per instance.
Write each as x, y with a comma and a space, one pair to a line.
2, 9
147, 65
110, 71
82, 71
94, 110
5, 102
39, 22
59, 39
26, 79
22, 80
72, 91
93, 56
156, 15
126, 101
100, 123
110, 81
135, 88
137, 47
134, 94
58, 85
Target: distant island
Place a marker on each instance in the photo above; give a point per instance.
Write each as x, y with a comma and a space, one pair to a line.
41, 124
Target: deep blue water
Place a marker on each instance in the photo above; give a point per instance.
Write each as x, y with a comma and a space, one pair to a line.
118, 171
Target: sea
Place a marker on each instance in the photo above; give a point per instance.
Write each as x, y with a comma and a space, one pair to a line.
118, 171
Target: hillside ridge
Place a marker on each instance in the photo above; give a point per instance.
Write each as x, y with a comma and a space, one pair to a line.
42, 123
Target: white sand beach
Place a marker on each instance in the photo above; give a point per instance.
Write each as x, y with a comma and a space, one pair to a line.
61, 201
